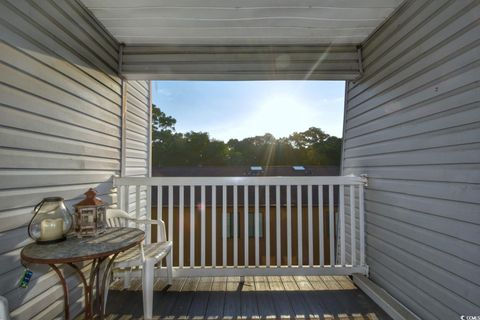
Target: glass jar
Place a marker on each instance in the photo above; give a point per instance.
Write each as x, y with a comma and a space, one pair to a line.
51, 221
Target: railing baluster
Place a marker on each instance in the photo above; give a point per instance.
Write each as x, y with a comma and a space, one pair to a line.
321, 233
342, 224
299, 226
246, 228
352, 224
289, 225
278, 231
159, 208
120, 197
267, 225
235, 225
170, 213
126, 200
148, 227
257, 227
331, 224
181, 222
224, 225
214, 225
137, 202
310, 225
362, 225
192, 226
202, 225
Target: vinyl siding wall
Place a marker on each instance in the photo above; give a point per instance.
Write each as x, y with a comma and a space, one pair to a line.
413, 125
60, 132
137, 151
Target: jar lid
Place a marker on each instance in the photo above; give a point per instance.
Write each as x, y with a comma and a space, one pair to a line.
53, 199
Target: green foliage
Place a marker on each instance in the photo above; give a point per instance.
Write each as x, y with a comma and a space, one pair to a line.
311, 147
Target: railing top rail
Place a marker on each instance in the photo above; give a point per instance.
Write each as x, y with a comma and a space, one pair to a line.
230, 181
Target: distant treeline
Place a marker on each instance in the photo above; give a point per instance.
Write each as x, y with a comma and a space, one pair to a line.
170, 148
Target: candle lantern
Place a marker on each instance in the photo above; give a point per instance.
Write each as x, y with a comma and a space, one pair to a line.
90, 218
51, 221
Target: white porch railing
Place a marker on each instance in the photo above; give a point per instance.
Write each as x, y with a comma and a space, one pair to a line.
301, 225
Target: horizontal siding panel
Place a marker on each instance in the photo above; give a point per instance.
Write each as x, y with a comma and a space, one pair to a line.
467, 271
21, 61
441, 207
390, 268
434, 50
137, 154
18, 139
384, 117
33, 34
240, 63
11, 179
395, 95
442, 284
452, 227
45, 23
448, 137
109, 88
11, 199
441, 81
447, 155
140, 146
454, 118
53, 127
38, 87
461, 173
138, 129
137, 120
10, 260
22, 159
63, 14
431, 20
458, 249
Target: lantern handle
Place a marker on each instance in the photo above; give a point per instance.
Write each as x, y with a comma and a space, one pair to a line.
35, 210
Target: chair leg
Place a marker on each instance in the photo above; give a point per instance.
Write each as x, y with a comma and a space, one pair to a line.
169, 268
147, 287
127, 278
107, 288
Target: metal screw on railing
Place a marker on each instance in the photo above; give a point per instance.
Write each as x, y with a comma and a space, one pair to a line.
364, 177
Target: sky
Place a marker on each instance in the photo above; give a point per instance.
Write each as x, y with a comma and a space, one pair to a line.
240, 109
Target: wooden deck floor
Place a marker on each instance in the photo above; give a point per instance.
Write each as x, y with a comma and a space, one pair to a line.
311, 297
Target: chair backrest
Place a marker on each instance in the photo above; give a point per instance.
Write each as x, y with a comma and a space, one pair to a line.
117, 218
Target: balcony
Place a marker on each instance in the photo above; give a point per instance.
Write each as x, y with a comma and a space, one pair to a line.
290, 262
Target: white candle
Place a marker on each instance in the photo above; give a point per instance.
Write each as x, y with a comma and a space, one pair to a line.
51, 229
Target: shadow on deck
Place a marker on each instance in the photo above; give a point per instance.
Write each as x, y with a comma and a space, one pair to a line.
286, 297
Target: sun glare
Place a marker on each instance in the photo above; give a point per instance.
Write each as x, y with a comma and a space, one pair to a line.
280, 114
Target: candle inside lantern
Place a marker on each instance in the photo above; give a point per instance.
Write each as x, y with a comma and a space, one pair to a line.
51, 229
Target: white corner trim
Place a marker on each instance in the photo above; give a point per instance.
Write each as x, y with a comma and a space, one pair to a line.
389, 304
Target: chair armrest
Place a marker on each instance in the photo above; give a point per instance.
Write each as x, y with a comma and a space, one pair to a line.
145, 221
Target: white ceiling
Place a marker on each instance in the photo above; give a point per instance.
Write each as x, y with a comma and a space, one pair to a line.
241, 22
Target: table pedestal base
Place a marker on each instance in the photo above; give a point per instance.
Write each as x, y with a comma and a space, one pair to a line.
95, 288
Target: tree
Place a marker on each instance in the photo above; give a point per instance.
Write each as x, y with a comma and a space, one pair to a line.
311, 147
162, 125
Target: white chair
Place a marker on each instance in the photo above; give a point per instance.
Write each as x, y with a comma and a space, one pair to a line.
145, 256
4, 315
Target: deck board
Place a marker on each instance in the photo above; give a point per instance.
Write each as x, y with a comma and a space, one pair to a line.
310, 297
